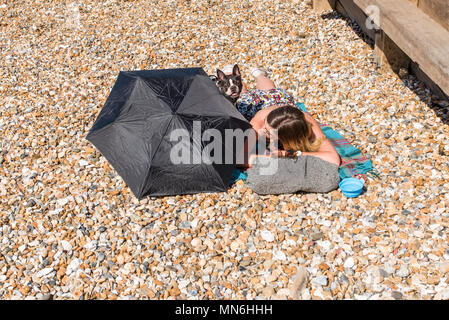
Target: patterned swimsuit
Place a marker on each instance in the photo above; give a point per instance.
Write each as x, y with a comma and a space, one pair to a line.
252, 101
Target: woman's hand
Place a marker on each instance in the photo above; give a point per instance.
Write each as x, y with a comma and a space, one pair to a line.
286, 154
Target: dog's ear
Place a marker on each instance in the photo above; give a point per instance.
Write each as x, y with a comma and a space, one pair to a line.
236, 70
221, 75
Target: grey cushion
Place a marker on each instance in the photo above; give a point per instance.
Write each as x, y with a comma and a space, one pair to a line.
290, 175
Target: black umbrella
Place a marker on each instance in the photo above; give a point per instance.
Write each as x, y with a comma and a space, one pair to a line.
135, 131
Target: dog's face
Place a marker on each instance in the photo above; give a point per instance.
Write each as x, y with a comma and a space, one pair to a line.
230, 85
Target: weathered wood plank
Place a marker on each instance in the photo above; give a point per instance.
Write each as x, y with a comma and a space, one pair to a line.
437, 10
424, 40
428, 81
321, 5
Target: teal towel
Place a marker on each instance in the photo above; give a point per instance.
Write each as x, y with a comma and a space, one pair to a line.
353, 162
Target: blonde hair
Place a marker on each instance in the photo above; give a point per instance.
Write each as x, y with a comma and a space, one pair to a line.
293, 130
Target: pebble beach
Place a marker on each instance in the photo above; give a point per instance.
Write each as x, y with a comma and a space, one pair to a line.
70, 228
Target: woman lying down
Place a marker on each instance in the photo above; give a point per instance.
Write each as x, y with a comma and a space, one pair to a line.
307, 161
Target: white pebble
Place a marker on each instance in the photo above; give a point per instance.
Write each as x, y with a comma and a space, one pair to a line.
66, 245
349, 263
267, 235
279, 255
43, 272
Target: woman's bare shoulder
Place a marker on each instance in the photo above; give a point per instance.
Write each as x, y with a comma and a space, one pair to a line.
309, 117
315, 126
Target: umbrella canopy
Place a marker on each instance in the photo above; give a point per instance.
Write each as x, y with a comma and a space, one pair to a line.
135, 128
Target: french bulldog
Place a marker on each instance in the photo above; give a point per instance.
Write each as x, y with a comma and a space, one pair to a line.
229, 85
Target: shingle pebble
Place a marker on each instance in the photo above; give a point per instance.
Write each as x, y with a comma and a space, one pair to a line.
71, 229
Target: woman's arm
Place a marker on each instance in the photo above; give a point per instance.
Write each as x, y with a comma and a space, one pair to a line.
257, 122
327, 152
